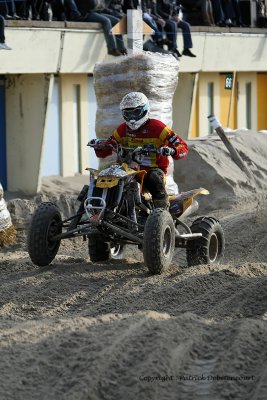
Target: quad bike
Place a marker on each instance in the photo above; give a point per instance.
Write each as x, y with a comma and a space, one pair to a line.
116, 210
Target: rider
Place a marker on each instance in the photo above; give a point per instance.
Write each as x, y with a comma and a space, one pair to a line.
140, 130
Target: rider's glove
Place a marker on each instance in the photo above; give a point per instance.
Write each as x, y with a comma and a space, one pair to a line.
166, 151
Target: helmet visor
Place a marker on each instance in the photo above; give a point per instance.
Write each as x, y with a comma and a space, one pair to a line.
134, 114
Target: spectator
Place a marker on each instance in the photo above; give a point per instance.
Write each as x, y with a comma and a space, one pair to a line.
59, 10
236, 13
154, 20
3, 45
40, 9
208, 14
218, 13
227, 13
261, 14
82, 11
11, 11
169, 11
66, 10
92, 13
117, 7
197, 12
114, 7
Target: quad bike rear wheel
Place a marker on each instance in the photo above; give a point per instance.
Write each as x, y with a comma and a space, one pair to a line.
46, 223
98, 248
158, 241
209, 248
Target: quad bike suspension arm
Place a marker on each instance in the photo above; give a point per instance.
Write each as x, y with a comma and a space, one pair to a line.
122, 232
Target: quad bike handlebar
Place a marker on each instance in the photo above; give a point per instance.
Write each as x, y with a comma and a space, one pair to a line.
124, 153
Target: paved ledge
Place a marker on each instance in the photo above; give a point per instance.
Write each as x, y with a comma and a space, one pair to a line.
97, 26
83, 25
52, 24
217, 29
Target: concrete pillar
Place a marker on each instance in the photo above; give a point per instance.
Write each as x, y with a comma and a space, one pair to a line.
182, 104
134, 32
26, 105
74, 111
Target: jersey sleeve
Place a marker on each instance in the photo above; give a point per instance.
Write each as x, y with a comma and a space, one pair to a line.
177, 143
117, 136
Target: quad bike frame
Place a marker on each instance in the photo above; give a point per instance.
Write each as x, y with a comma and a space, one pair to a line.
115, 211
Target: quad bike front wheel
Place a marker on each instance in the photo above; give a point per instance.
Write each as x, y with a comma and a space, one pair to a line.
209, 248
158, 241
45, 224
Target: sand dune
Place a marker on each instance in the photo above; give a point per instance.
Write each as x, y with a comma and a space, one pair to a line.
77, 330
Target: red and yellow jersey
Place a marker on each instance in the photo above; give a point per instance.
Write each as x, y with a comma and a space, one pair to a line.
153, 134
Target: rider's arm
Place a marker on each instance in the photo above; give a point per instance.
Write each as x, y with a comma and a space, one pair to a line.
178, 144
104, 149
117, 136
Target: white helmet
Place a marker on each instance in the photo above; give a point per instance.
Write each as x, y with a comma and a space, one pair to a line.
135, 109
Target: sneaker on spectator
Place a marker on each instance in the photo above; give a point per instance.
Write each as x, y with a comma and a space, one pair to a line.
4, 46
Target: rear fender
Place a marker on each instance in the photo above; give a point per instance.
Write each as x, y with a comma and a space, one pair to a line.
186, 199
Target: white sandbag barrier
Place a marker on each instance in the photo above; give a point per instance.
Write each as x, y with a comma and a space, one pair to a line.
154, 74
7, 230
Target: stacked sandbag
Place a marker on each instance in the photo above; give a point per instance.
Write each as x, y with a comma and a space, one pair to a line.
154, 74
7, 230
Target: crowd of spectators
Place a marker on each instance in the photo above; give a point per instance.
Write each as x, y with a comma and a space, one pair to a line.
165, 17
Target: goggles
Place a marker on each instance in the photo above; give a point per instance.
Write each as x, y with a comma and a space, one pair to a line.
134, 114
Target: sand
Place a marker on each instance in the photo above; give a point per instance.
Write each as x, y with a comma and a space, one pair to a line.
78, 330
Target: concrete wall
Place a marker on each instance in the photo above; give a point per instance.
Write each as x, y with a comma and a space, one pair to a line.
44, 50
52, 50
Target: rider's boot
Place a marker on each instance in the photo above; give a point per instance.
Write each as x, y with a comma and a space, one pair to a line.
161, 203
